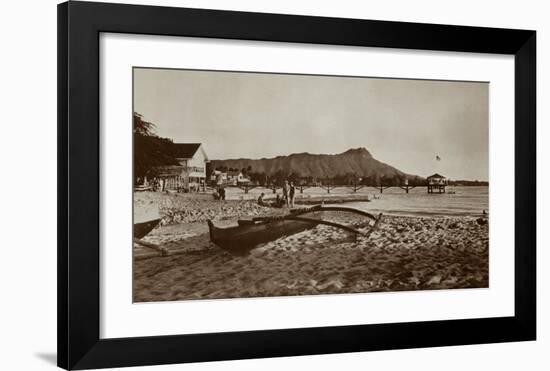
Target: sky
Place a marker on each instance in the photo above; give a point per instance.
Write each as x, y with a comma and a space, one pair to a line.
404, 123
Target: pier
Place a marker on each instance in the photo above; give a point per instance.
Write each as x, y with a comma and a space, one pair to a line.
331, 187
436, 189
434, 184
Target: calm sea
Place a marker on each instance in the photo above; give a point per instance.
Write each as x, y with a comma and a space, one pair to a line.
465, 200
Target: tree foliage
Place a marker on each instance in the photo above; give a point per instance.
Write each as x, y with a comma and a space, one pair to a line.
150, 150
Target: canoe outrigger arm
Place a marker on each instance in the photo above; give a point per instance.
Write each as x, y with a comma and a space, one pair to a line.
162, 250
331, 224
250, 233
377, 219
296, 214
333, 208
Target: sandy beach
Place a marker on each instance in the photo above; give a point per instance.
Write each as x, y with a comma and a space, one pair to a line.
405, 253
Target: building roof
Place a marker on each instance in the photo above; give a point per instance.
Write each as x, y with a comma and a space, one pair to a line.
185, 150
436, 175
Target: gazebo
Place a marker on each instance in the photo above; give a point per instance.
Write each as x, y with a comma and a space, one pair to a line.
436, 183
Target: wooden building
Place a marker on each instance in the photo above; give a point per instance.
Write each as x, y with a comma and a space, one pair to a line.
190, 173
436, 183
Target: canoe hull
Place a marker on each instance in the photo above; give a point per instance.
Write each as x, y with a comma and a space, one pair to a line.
141, 229
243, 238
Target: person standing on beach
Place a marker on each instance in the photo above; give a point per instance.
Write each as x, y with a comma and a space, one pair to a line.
291, 193
285, 192
261, 200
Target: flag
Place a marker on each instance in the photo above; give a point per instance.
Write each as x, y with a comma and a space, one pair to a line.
438, 158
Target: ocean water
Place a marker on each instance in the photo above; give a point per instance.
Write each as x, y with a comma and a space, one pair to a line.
465, 201
394, 201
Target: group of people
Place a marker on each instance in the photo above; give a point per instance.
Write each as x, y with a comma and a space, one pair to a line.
289, 191
287, 198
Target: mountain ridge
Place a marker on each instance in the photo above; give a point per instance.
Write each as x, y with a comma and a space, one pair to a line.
357, 161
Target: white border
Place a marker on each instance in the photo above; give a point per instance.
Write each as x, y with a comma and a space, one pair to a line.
121, 318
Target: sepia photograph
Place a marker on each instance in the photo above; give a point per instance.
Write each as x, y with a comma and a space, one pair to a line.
258, 184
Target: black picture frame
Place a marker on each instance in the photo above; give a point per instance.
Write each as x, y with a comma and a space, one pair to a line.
79, 28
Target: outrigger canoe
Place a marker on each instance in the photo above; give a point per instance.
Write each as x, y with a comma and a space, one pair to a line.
145, 219
248, 234
141, 229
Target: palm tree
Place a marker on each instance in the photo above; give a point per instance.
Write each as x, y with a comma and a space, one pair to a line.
150, 150
142, 127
